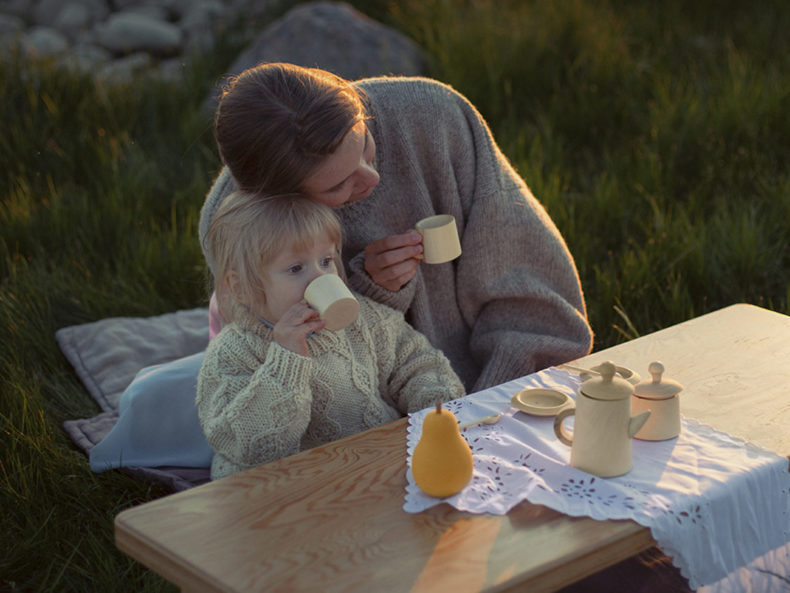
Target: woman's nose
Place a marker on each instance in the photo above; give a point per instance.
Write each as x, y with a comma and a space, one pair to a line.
367, 176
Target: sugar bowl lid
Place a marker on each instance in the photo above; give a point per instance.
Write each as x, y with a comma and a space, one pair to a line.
608, 385
658, 387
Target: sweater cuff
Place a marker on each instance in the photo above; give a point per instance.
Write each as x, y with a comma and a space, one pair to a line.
361, 282
291, 368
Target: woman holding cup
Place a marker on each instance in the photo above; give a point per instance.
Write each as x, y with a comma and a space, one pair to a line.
386, 153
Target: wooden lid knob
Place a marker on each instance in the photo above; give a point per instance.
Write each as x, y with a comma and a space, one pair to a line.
657, 387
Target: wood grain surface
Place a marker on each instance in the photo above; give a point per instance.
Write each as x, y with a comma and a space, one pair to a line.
331, 519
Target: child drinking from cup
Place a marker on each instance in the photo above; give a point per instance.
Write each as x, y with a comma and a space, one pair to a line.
275, 381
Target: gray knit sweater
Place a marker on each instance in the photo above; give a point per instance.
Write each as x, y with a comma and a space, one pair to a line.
258, 401
512, 303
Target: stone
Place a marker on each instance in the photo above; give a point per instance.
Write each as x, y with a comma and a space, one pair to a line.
160, 37
44, 42
154, 11
124, 69
86, 57
124, 5
72, 19
336, 37
48, 12
203, 13
22, 9
11, 25
199, 24
129, 32
333, 36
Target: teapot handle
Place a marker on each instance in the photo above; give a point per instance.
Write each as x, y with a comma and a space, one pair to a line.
562, 434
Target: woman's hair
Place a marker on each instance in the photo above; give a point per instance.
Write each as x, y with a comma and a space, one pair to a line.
249, 230
276, 122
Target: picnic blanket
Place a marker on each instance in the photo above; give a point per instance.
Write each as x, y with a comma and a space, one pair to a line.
117, 359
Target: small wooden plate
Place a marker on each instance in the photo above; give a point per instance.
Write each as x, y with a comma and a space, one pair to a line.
541, 402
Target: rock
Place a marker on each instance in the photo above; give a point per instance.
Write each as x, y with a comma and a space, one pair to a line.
124, 5
154, 11
72, 19
124, 69
22, 9
123, 38
336, 37
200, 22
129, 32
11, 25
44, 42
87, 57
333, 36
48, 12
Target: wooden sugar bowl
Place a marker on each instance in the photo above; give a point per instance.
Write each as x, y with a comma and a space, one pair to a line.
660, 396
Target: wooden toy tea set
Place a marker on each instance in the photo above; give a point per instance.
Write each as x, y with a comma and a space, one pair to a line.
613, 406
611, 410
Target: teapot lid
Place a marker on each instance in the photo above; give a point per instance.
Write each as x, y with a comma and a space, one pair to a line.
608, 385
657, 387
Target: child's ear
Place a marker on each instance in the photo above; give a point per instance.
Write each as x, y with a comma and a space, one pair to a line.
233, 286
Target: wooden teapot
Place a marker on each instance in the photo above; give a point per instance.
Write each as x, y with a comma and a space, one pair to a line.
660, 395
603, 427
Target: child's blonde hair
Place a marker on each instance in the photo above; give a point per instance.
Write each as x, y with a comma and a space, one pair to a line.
249, 230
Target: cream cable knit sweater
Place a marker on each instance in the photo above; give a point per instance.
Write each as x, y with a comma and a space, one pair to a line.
258, 401
512, 303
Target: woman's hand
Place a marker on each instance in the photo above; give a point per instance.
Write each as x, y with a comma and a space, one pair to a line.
292, 329
392, 261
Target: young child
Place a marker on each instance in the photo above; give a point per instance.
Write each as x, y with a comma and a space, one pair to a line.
275, 382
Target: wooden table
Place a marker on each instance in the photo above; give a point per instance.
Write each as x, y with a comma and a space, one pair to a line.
331, 519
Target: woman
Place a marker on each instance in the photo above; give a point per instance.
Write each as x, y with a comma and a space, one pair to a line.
385, 153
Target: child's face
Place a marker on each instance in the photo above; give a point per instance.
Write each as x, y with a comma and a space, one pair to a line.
288, 275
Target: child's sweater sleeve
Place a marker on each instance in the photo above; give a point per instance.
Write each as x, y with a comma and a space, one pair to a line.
254, 405
413, 374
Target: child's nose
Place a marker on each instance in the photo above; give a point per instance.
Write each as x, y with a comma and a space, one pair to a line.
318, 271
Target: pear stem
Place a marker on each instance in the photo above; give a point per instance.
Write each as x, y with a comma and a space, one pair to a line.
439, 405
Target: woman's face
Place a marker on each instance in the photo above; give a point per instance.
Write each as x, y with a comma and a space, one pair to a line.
347, 175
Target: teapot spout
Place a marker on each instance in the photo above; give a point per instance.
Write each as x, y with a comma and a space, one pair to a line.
637, 422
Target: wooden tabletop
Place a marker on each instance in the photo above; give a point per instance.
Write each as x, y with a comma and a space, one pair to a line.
331, 519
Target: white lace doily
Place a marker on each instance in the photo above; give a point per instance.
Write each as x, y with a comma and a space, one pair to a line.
713, 502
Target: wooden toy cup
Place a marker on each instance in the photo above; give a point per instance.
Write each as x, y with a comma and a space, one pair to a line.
439, 238
330, 296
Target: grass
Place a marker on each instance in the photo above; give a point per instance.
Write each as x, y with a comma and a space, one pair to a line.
655, 134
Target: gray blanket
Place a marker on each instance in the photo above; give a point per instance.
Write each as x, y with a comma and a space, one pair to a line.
107, 354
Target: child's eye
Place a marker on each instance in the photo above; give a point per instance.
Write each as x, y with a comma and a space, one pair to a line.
295, 269
326, 262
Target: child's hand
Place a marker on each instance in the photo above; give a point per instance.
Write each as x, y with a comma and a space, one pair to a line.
292, 329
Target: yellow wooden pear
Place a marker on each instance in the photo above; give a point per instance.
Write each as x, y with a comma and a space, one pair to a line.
442, 460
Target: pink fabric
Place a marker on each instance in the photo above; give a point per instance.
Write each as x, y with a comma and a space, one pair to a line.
214, 319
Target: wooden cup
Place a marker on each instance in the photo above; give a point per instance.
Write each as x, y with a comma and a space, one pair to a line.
439, 238
330, 296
